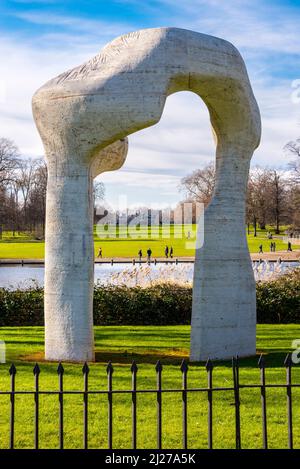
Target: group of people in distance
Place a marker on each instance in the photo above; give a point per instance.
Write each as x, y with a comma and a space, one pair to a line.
169, 252
273, 247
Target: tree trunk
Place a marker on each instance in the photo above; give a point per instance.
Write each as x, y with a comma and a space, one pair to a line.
255, 226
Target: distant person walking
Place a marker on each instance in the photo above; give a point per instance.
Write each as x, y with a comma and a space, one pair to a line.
274, 247
289, 246
261, 249
100, 252
171, 252
166, 252
140, 254
149, 254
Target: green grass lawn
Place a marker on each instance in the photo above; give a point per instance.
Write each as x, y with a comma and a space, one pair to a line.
145, 345
22, 247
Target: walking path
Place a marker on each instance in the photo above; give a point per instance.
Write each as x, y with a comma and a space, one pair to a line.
293, 256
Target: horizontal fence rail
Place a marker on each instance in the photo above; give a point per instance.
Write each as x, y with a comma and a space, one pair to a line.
184, 391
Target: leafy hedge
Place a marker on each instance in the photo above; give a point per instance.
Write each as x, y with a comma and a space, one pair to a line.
278, 301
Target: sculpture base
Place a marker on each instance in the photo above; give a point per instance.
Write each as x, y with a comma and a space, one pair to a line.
222, 343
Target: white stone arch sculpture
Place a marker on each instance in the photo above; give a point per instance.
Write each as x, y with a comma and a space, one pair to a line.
83, 117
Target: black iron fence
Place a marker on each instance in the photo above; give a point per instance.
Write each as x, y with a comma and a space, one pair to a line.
158, 392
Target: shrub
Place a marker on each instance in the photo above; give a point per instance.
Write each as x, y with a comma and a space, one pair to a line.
159, 304
22, 307
278, 301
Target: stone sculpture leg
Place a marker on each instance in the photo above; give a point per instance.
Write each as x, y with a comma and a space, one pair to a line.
69, 257
224, 300
69, 273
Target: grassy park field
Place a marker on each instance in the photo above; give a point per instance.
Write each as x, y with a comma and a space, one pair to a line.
23, 246
146, 344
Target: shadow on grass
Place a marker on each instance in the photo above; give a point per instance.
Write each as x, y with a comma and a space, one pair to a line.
272, 360
167, 357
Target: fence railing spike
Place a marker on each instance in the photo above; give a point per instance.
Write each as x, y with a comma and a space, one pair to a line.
133, 367
109, 368
209, 365
235, 361
288, 360
12, 370
36, 369
85, 369
60, 369
158, 366
261, 362
184, 366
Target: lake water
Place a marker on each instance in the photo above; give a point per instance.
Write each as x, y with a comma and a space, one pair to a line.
13, 277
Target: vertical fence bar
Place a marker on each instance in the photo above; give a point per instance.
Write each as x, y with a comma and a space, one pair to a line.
288, 367
235, 370
158, 369
36, 372
12, 372
209, 369
109, 371
184, 369
85, 371
134, 370
60, 372
262, 367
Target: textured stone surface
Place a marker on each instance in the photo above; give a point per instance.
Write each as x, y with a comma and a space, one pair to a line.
84, 116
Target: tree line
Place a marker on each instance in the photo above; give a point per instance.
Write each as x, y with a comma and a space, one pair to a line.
23, 185
273, 197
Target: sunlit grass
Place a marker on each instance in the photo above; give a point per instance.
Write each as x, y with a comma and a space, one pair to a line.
146, 344
124, 243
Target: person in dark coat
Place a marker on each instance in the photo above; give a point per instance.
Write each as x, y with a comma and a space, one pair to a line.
149, 254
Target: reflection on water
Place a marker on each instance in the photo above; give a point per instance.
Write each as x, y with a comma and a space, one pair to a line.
29, 276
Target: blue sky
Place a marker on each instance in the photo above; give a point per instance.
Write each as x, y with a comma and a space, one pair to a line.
39, 39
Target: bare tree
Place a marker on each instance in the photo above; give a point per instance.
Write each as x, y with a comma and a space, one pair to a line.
9, 159
9, 156
293, 148
25, 179
199, 185
36, 204
278, 194
258, 197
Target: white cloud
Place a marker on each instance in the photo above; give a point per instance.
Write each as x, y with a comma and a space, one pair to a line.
80, 24
159, 156
24, 69
254, 24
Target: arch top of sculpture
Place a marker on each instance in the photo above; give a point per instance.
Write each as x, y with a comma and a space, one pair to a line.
128, 81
